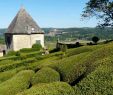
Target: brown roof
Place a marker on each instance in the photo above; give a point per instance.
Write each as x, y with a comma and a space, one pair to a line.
23, 24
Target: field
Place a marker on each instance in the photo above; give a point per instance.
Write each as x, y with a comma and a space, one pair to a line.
87, 70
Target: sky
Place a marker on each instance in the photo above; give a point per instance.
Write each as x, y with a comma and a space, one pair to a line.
47, 13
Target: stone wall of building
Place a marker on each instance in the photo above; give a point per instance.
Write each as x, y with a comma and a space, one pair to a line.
26, 41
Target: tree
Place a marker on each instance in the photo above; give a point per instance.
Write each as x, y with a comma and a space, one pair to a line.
102, 9
95, 39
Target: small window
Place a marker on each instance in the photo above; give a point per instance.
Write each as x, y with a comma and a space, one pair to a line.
37, 41
33, 30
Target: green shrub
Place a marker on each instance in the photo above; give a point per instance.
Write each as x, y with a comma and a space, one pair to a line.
99, 54
23, 56
37, 46
56, 88
15, 64
75, 51
27, 50
18, 83
69, 68
11, 53
45, 75
9, 74
99, 82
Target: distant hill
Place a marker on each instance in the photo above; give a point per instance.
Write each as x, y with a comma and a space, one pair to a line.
2, 31
73, 33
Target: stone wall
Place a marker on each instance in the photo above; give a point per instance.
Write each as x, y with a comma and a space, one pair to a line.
26, 41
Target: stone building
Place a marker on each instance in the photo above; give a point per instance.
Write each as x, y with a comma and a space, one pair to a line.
23, 32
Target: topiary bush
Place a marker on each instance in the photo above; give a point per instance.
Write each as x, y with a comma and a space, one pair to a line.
18, 83
45, 75
69, 68
11, 53
99, 54
37, 46
56, 88
27, 50
99, 82
9, 74
75, 51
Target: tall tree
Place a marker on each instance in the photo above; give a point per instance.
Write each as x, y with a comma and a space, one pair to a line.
102, 9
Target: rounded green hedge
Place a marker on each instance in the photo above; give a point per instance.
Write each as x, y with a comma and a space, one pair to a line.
55, 88
69, 68
99, 82
45, 75
16, 84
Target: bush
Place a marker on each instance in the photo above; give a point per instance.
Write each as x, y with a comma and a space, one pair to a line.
54, 50
75, 51
14, 64
95, 39
89, 60
64, 48
45, 75
18, 83
37, 46
11, 53
69, 68
9, 74
27, 50
99, 82
56, 88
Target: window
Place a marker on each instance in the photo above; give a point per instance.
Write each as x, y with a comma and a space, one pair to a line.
37, 41
33, 30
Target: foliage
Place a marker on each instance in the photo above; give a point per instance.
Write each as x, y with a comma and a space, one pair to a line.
26, 50
46, 75
11, 53
95, 39
16, 84
98, 82
102, 9
56, 88
9, 74
37, 46
69, 68
75, 51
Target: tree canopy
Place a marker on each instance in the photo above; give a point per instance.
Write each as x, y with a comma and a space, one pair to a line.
102, 9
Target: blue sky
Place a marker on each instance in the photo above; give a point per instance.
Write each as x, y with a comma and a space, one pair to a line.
47, 13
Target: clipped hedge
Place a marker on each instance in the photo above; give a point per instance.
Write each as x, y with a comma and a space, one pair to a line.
15, 64
18, 83
56, 88
37, 47
69, 68
45, 75
75, 51
26, 50
99, 82
9, 74
99, 54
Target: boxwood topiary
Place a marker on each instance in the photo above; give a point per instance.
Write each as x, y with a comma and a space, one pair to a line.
16, 84
45, 75
37, 46
55, 88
